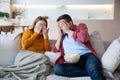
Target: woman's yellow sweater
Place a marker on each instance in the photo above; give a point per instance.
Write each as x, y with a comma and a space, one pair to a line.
33, 41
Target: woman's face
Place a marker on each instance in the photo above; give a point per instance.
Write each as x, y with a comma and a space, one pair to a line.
41, 23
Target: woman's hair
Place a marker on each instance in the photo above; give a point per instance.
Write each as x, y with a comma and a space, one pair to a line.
66, 17
44, 18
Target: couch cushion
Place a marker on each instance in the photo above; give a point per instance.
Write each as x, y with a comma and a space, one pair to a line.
118, 68
111, 58
116, 75
80, 78
97, 43
52, 76
8, 49
52, 56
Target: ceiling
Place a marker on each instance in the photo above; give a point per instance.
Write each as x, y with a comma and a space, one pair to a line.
64, 2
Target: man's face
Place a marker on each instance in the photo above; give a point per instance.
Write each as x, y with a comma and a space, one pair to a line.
63, 22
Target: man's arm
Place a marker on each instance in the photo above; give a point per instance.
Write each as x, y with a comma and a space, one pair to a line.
56, 47
80, 34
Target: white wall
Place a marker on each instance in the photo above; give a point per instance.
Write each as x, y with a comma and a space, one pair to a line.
5, 6
109, 29
76, 14
83, 12
65, 1
117, 10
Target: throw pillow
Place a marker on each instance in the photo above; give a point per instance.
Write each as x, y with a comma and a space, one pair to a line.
97, 43
111, 58
8, 49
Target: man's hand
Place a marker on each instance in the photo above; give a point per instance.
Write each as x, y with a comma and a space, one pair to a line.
64, 26
60, 32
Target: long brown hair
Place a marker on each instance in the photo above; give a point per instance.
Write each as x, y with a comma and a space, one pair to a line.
44, 18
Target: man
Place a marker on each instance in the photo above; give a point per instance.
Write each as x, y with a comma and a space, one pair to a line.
75, 39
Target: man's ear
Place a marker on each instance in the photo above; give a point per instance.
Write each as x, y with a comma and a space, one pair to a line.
71, 23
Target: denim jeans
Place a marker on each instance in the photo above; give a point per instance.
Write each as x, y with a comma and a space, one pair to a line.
88, 65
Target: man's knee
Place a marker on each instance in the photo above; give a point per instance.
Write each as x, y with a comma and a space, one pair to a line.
94, 68
58, 69
93, 65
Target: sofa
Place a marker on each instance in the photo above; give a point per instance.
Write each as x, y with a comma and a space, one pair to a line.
8, 49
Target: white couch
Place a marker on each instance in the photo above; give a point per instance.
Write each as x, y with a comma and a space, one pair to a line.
8, 49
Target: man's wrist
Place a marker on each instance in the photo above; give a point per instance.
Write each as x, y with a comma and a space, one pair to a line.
69, 32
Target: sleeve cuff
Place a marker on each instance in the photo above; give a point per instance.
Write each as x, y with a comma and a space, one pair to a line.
74, 35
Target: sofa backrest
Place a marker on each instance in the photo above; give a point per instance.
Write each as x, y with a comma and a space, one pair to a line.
10, 48
19, 36
106, 44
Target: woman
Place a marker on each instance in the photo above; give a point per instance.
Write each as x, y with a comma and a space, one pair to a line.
36, 39
31, 65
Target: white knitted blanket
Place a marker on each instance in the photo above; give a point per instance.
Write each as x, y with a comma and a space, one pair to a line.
27, 66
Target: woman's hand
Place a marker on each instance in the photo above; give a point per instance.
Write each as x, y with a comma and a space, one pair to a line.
45, 31
38, 29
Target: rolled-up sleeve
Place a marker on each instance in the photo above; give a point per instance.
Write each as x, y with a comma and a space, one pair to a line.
81, 33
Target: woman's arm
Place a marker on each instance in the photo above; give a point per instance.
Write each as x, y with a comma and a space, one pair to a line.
28, 38
47, 45
45, 31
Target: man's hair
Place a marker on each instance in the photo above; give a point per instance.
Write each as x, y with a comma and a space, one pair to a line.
66, 17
